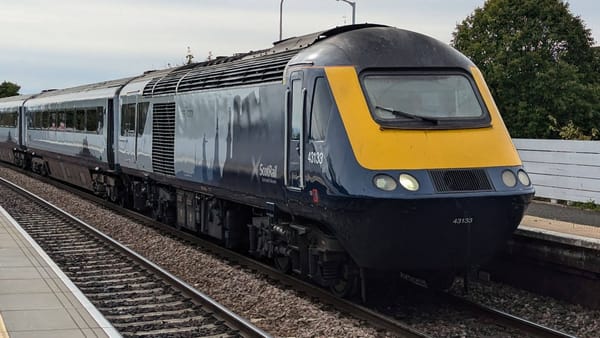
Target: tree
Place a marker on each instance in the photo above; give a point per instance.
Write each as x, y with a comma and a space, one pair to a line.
9, 89
538, 60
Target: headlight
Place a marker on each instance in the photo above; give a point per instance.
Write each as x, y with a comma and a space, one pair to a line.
408, 182
524, 178
385, 182
509, 178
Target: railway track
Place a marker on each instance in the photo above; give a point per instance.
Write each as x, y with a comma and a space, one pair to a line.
376, 318
528, 328
135, 295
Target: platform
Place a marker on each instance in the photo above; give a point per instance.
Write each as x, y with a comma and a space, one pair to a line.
562, 224
560, 227
36, 297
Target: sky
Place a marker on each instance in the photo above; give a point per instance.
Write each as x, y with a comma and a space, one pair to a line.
65, 43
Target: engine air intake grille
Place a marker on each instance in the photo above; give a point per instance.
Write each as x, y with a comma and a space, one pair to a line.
460, 180
163, 138
233, 71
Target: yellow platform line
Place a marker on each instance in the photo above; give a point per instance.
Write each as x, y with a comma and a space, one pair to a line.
3, 332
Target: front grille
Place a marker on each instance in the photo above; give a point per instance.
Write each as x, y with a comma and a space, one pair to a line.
163, 138
460, 180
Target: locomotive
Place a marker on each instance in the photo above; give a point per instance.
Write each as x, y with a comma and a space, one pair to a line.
356, 149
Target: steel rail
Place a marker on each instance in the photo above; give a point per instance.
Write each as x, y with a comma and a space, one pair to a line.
521, 324
236, 322
358, 311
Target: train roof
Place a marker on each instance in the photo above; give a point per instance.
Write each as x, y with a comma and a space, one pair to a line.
100, 90
362, 46
382, 47
267, 65
13, 102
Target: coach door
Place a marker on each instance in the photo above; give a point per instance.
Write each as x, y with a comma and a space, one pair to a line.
127, 131
294, 150
21, 124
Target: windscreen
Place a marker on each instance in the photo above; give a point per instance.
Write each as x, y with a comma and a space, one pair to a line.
413, 100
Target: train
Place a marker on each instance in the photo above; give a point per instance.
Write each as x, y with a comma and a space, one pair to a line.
362, 149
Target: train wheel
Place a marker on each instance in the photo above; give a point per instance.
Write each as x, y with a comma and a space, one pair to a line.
157, 213
282, 263
345, 288
347, 283
44, 170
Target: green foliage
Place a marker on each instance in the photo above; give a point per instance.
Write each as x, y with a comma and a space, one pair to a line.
9, 89
572, 132
538, 61
589, 205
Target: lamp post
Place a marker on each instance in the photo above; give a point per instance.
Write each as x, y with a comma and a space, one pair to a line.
280, 19
353, 4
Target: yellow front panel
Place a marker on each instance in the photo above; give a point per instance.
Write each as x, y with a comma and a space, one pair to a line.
383, 149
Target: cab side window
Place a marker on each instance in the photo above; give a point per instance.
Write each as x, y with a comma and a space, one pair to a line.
142, 113
297, 108
128, 119
322, 104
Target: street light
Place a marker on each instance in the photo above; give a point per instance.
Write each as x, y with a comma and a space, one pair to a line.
353, 4
280, 19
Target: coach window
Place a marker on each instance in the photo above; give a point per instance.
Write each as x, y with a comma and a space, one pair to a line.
53, 119
12, 119
93, 122
142, 113
128, 119
8, 119
15, 117
61, 118
100, 113
36, 119
80, 120
322, 104
70, 123
44, 121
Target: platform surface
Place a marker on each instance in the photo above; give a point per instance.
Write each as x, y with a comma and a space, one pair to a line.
565, 213
560, 226
569, 224
36, 298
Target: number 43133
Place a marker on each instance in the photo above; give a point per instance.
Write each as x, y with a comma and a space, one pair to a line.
463, 220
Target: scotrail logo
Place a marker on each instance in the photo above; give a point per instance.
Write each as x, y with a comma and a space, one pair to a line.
263, 172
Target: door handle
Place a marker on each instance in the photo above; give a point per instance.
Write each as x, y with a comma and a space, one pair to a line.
298, 149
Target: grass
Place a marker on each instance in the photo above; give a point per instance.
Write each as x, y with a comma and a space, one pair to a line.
590, 205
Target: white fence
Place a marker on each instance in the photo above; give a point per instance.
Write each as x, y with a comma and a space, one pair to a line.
562, 170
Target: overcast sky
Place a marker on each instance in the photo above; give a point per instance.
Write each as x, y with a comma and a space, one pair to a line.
63, 43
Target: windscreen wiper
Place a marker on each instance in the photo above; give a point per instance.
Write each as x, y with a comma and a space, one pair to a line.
409, 115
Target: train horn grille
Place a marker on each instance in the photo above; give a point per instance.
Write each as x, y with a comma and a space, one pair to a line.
460, 180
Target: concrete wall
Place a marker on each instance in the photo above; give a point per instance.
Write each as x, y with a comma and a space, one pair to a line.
563, 170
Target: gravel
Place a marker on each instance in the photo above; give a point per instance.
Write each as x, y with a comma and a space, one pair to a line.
569, 318
285, 313
280, 312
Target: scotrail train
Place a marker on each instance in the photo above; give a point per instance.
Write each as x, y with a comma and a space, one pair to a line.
361, 148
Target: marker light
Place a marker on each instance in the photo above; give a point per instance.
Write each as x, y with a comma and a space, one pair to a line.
509, 178
384, 182
408, 182
524, 178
